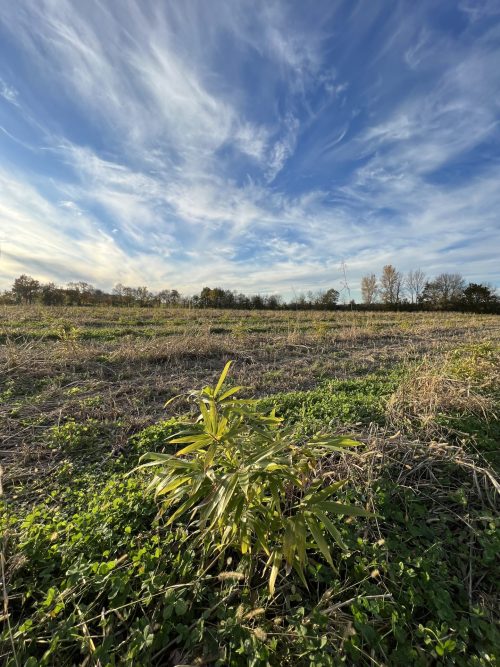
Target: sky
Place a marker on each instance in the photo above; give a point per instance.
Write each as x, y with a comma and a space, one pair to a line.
250, 145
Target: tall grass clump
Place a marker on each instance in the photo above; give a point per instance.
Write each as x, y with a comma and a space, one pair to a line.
438, 392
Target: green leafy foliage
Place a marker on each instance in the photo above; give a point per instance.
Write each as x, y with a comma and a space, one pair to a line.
337, 402
96, 575
242, 482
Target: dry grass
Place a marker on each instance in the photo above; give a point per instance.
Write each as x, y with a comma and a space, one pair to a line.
465, 381
453, 367
434, 471
150, 355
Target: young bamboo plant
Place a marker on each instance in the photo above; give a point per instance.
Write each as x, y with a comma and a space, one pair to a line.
241, 481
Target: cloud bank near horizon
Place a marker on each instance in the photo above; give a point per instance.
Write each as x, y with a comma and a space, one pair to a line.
249, 145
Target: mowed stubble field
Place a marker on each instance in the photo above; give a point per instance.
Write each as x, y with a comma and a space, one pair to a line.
121, 365
83, 388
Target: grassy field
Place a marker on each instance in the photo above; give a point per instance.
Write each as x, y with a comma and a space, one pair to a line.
91, 572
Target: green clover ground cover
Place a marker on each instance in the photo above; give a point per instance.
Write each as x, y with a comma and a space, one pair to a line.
95, 573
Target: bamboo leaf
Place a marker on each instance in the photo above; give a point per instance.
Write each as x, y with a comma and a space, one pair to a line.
245, 543
300, 536
229, 488
187, 437
198, 444
320, 541
209, 456
339, 441
238, 510
206, 417
222, 378
192, 500
229, 392
244, 482
171, 400
268, 452
317, 496
275, 492
166, 485
297, 566
289, 542
341, 509
221, 428
213, 419
331, 528
261, 536
276, 558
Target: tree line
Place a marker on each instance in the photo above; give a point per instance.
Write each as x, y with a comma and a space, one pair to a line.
392, 290
28, 290
447, 291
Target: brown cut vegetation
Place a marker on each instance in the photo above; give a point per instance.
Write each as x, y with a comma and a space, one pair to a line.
121, 365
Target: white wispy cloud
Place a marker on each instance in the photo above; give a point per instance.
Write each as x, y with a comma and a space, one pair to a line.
479, 9
284, 147
428, 130
234, 143
8, 93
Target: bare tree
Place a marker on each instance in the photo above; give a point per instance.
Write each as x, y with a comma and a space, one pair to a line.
444, 290
451, 285
391, 285
128, 295
345, 285
415, 283
369, 288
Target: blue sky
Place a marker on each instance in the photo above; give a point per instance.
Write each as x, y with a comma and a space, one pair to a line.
251, 145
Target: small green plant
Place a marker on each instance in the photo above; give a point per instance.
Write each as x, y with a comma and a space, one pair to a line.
242, 482
67, 332
239, 329
7, 391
